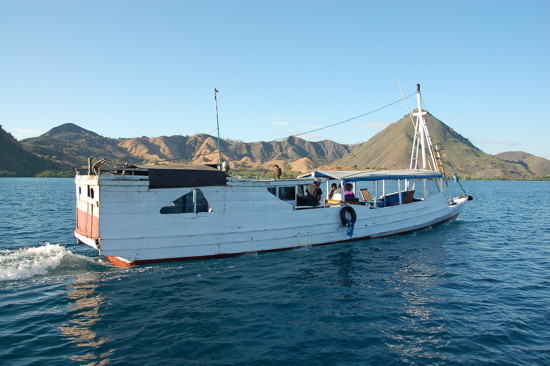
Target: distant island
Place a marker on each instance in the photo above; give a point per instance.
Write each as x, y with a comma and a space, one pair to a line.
66, 147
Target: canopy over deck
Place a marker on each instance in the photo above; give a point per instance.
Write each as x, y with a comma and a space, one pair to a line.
371, 175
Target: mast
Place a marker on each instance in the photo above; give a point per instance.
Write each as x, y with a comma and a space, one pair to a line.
421, 123
422, 140
218, 128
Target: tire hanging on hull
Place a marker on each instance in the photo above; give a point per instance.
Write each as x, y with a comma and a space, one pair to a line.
344, 218
349, 223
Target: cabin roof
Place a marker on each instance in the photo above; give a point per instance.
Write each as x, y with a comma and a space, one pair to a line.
171, 176
176, 167
370, 175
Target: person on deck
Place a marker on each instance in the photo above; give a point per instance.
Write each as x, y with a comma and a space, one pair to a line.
277, 170
314, 193
333, 188
348, 193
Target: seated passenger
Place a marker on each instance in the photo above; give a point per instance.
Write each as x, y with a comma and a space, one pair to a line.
314, 193
348, 193
332, 190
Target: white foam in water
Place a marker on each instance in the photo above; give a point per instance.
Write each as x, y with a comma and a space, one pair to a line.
25, 263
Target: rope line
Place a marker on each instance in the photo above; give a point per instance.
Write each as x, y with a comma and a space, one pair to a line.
299, 134
349, 119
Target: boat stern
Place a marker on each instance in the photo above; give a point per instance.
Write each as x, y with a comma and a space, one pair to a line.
87, 210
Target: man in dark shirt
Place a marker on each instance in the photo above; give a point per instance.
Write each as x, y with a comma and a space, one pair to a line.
314, 193
277, 171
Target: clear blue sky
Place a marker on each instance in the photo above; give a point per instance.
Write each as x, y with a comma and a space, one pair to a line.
125, 68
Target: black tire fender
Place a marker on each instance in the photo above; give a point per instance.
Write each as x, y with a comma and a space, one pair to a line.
343, 217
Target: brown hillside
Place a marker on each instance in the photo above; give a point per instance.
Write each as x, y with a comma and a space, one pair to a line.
71, 145
538, 165
535, 164
391, 149
513, 156
303, 165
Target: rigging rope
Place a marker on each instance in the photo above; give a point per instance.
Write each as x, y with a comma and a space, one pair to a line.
299, 134
350, 119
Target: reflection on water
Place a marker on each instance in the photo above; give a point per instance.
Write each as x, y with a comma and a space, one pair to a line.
418, 332
388, 295
84, 313
469, 292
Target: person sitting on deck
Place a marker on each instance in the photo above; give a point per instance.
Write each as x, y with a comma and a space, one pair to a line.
332, 190
314, 193
349, 196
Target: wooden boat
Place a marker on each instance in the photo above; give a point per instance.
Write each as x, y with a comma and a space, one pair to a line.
144, 214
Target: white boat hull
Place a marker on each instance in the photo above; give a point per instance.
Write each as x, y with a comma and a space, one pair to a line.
153, 213
122, 220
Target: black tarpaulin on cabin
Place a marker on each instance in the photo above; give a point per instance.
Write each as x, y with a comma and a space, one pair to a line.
186, 177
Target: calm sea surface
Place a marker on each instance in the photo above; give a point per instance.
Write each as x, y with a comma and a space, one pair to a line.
469, 292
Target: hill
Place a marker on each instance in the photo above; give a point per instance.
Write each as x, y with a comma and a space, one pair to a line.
391, 148
535, 164
71, 145
17, 162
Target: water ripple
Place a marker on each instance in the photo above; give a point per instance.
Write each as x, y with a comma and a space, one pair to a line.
474, 291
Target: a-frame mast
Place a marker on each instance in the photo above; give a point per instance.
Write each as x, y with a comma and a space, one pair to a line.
422, 142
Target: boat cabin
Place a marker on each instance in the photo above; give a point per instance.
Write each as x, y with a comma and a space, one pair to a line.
379, 189
376, 189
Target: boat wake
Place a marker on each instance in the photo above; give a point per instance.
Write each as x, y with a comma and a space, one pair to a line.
24, 263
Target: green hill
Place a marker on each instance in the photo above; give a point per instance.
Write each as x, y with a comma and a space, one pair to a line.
17, 162
391, 149
69, 145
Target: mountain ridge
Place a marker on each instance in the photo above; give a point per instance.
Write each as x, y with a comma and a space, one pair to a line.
16, 161
391, 148
537, 165
69, 146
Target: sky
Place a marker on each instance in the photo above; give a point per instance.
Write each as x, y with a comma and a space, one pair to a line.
132, 68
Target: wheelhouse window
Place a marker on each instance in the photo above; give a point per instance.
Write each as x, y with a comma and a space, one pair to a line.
287, 193
283, 193
191, 202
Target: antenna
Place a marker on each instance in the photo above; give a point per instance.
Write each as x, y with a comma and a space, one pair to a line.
218, 127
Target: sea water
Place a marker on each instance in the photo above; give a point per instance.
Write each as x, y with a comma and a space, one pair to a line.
468, 292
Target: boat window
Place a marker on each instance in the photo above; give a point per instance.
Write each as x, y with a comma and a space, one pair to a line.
90, 191
301, 196
191, 202
287, 193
